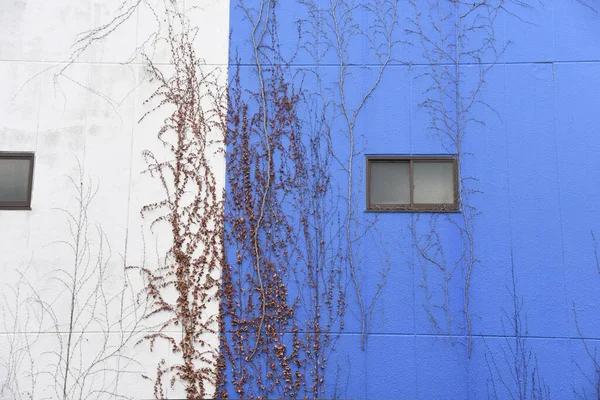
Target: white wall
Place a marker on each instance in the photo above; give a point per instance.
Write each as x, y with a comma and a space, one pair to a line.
83, 119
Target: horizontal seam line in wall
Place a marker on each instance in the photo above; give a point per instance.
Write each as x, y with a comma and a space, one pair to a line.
87, 332
399, 64
332, 334
101, 63
426, 335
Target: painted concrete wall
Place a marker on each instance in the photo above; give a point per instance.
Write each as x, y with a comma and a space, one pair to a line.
535, 162
83, 118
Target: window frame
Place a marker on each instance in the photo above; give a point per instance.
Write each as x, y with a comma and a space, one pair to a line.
20, 155
413, 207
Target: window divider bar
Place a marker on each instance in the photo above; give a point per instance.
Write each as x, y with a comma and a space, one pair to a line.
411, 183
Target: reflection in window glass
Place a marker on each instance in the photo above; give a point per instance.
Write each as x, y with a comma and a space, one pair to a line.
390, 183
14, 179
433, 182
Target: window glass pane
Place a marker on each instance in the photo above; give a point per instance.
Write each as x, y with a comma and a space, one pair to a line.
390, 183
14, 179
434, 182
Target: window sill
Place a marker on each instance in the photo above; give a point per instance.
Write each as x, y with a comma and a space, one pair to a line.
414, 210
15, 208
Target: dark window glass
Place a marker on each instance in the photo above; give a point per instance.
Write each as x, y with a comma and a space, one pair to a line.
16, 173
390, 183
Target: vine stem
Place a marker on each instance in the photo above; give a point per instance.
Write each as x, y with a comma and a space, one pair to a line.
459, 136
350, 118
451, 116
263, 97
77, 253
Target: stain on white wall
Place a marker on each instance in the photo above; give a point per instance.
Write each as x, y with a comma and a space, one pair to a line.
80, 116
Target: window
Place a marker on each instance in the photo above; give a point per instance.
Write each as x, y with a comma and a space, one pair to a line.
412, 183
16, 177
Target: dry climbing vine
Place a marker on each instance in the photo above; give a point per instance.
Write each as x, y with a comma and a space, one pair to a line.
49, 350
516, 372
591, 350
334, 30
184, 292
281, 293
451, 34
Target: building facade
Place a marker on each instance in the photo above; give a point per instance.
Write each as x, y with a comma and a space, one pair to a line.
260, 199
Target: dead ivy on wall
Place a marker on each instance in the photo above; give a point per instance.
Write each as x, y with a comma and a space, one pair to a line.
514, 370
457, 39
49, 349
590, 372
275, 252
184, 292
293, 237
292, 250
338, 32
281, 293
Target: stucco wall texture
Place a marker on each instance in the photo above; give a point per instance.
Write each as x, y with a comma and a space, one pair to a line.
83, 116
535, 162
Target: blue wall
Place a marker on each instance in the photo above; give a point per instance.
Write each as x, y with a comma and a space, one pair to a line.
535, 162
